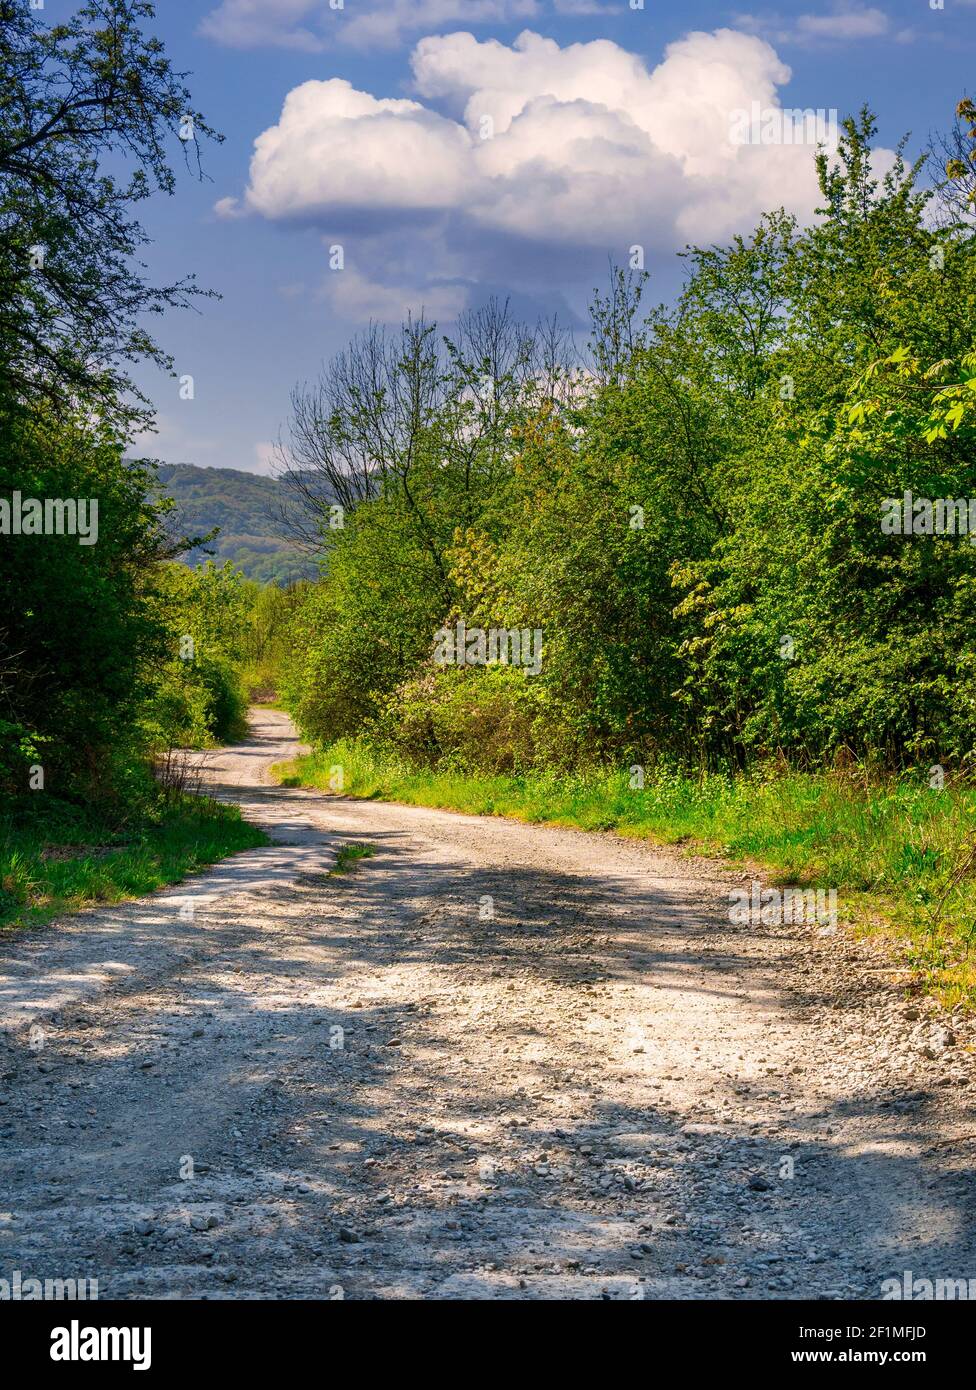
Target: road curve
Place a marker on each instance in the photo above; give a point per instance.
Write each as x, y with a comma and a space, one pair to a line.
490, 1061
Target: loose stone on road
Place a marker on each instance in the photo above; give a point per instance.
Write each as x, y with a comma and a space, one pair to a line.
490, 1061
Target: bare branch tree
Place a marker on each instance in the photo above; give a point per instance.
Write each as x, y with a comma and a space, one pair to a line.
393, 401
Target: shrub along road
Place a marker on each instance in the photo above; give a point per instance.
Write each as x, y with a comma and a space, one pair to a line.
487, 1060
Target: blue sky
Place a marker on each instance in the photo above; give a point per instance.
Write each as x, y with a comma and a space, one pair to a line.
458, 148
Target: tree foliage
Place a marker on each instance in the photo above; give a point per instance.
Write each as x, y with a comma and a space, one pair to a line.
89, 110
692, 514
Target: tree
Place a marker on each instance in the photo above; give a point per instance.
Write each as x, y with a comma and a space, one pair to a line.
80, 635
429, 419
697, 533
79, 639
75, 98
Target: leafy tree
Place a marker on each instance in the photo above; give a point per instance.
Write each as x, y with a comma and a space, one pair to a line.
78, 634
79, 102
206, 616
694, 521
82, 636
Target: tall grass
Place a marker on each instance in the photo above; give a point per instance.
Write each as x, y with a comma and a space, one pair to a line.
59, 859
901, 854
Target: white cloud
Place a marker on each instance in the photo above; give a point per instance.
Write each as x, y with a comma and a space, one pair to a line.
842, 23
587, 7
389, 22
264, 23
356, 298
590, 148
335, 148
228, 208
314, 25
846, 23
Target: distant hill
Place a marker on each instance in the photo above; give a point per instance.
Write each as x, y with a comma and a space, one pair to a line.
246, 508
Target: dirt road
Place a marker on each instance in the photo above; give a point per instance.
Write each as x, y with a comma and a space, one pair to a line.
491, 1061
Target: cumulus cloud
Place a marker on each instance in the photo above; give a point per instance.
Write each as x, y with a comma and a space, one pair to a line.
585, 145
336, 149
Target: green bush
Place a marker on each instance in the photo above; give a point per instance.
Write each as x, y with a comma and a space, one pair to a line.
468, 720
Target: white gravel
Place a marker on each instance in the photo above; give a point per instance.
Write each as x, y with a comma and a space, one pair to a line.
601, 1090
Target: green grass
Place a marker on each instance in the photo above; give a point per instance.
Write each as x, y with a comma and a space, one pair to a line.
56, 859
348, 855
901, 855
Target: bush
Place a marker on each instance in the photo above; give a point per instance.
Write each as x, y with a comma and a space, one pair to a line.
469, 720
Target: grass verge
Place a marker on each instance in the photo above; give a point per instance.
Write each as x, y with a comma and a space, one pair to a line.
56, 859
901, 855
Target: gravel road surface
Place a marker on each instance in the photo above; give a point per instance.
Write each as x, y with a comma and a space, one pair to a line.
491, 1061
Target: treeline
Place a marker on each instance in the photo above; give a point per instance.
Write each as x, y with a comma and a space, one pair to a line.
696, 517
110, 650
